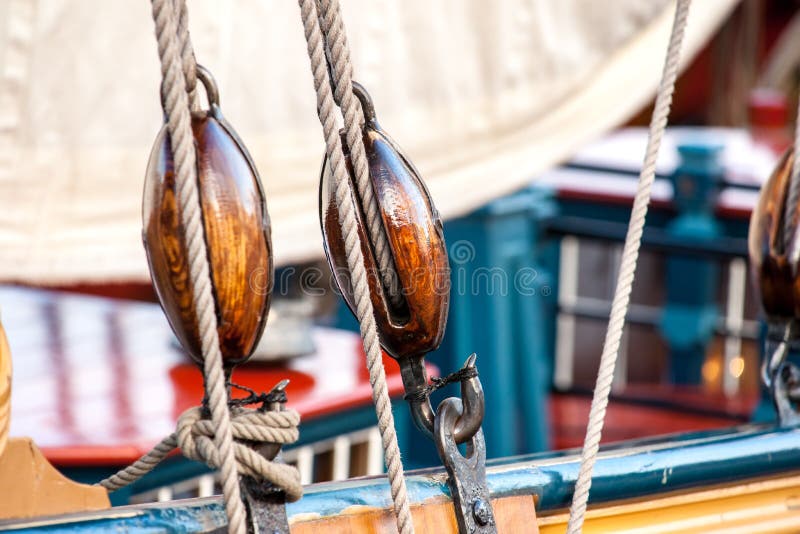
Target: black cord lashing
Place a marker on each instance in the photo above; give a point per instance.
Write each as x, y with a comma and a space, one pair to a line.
423, 393
264, 399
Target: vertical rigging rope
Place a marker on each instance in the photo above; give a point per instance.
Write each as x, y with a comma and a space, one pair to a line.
187, 51
332, 25
175, 100
630, 254
355, 260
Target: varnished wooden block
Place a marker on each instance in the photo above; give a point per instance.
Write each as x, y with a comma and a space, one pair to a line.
416, 239
237, 235
768, 259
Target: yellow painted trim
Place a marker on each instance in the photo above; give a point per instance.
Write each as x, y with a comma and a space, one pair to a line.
5, 389
769, 506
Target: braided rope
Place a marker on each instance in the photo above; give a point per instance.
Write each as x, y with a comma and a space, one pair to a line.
332, 26
201, 439
187, 52
630, 254
194, 435
355, 260
176, 106
142, 466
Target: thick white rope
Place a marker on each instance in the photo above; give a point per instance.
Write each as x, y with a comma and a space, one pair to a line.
142, 466
630, 254
332, 26
176, 107
355, 260
194, 436
201, 439
187, 52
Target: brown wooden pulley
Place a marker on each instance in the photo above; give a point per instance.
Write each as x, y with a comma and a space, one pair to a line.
414, 231
769, 257
237, 234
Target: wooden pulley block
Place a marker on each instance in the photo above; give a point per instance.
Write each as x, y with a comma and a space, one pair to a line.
414, 231
769, 257
237, 234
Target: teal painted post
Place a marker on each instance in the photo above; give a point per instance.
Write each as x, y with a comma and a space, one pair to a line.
502, 308
690, 313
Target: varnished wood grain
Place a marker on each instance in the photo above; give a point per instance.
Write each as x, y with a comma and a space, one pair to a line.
768, 260
514, 515
237, 234
414, 231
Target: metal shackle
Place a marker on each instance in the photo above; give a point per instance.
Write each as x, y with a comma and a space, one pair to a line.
473, 406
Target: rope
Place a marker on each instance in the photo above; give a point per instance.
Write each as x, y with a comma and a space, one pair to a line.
200, 438
195, 437
355, 260
335, 38
176, 107
630, 254
187, 52
142, 466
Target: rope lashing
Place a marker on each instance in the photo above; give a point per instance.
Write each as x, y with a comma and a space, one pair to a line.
195, 437
355, 260
424, 393
630, 254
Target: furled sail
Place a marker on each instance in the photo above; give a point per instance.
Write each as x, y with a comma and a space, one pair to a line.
481, 94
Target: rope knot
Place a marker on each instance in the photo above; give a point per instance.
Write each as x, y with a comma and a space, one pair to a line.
251, 428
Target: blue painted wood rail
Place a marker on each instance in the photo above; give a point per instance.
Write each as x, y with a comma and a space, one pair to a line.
642, 469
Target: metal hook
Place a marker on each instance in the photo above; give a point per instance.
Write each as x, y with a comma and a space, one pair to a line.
415, 383
780, 376
366, 102
779, 335
209, 84
473, 407
784, 393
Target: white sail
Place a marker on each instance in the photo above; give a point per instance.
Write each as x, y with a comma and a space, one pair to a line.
482, 95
